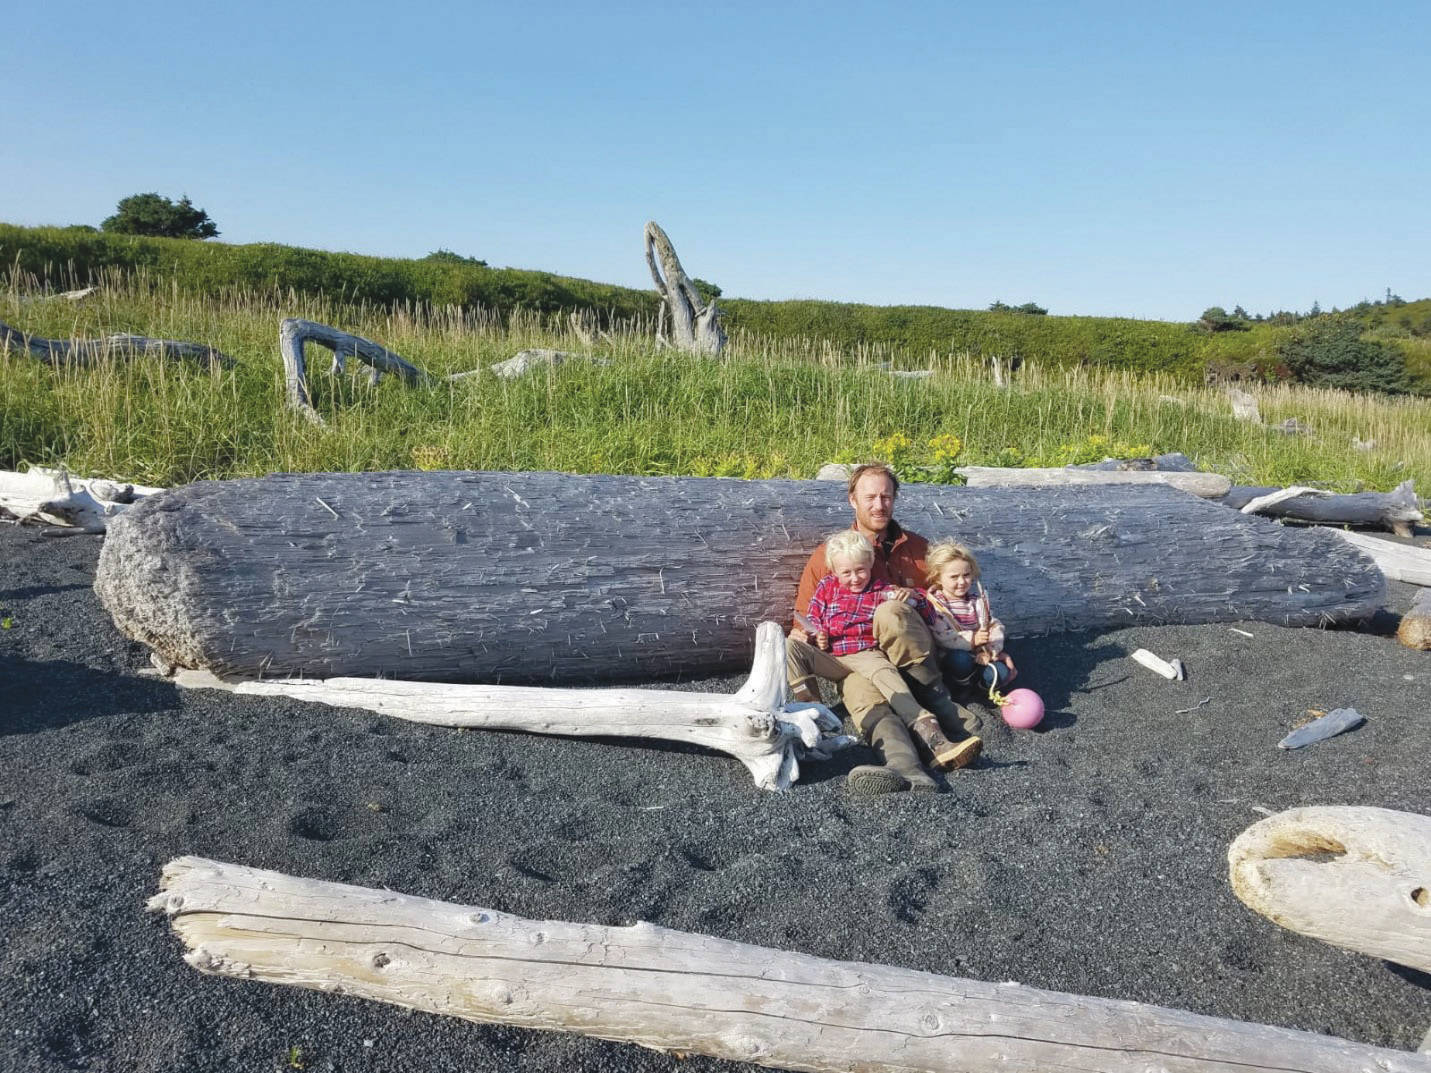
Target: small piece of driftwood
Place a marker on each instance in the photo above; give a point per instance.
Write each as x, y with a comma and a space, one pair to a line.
676, 991
1400, 562
1398, 510
695, 324
121, 346
57, 497
1415, 628
757, 725
1244, 406
1171, 671
1355, 877
1204, 485
1337, 721
293, 336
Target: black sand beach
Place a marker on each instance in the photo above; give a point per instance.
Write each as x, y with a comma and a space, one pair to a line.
1087, 857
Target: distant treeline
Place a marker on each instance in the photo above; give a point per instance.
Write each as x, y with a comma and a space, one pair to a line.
1270, 349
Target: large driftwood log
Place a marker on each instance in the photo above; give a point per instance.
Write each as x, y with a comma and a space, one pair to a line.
757, 725
122, 346
1415, 628
677, 991
1398, 510
695, 324
57, 497
545, 578
1354, 877
293, 336
1206, 485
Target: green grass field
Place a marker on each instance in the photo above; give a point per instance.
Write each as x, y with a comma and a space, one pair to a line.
770, 408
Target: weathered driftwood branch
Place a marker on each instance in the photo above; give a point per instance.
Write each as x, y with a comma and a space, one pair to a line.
294, 334
90, 351
1354, 877
546, 578
677, 991
695, 325
1400, 562
1398, 510
757, 725
1205, 485
57, 497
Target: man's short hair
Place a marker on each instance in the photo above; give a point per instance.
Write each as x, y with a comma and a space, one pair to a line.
882, 468
848, 544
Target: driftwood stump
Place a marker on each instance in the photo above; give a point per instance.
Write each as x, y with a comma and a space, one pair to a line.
676, 991
695, 324
544, 578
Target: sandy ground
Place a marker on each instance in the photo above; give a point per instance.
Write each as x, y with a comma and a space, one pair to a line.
1086, 857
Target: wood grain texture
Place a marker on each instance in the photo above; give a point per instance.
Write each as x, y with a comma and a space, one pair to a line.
677, 991
1206, 485
547, 578
1352, 876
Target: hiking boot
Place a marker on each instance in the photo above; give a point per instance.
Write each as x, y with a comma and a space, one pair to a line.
947, 754
871, 780
891, 739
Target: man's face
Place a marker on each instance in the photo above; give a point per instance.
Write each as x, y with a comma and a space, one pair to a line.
873, 500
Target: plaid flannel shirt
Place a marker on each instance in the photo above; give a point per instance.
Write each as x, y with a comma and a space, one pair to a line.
848, 617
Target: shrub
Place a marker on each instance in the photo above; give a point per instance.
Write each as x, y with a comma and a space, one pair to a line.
1331, 352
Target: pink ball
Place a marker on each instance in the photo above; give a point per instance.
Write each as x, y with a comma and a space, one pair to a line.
1022, 709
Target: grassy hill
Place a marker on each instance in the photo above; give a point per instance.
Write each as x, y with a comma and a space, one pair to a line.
909, 335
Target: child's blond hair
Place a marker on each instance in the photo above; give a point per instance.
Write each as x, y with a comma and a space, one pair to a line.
848, 544
945, 552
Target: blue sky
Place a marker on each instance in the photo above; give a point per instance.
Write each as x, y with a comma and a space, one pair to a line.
1098, 158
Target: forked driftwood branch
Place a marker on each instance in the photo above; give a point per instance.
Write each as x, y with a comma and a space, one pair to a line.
756, 725
1351, 876
677, 991
90, 351
695, 325
293, 336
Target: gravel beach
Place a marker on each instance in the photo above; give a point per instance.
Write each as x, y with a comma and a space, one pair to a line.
1089, 856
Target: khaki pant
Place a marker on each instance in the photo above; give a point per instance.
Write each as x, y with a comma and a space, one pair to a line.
872, 679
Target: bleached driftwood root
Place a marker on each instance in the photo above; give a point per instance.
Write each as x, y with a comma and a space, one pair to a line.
1400, 562
1205, 485
695, 325
1398, 510
1415, 628
1354, 877
56, 497
294, 334
89, 351
677, 991
756, 725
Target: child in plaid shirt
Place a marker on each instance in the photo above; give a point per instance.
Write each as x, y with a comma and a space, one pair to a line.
842, 612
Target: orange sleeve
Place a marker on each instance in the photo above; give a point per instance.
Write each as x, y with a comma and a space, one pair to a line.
815, 569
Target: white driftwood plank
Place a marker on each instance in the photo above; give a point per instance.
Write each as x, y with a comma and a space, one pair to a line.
1400, 562
676, 991
756, 725
56, 497
1206, 485
1352, 876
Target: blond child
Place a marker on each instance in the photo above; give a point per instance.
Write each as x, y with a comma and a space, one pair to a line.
970, 639
842, 612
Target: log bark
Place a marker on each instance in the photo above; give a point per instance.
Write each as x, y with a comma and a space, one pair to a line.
677, 991
1205, 485
1400, 562
1415, 628
546, 578
758, 725
695, 325
1398, 510
1355, 877
121, 346
293, 336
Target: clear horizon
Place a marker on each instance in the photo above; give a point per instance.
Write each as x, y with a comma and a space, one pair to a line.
1103, 160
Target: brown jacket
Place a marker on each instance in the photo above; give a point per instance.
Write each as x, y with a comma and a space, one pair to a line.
899, 559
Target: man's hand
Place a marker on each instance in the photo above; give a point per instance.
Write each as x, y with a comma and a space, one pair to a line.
901, 594
797, 634
822, 641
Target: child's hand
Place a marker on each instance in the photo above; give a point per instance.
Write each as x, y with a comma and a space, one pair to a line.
981, 637
822, 641
900, 594
1008, 662
982, 657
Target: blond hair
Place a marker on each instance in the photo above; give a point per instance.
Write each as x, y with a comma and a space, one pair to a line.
945, 552
848, 544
